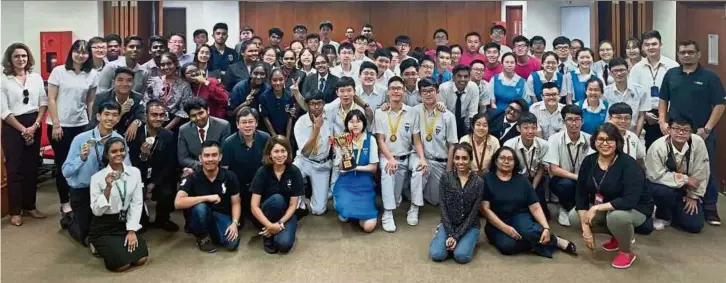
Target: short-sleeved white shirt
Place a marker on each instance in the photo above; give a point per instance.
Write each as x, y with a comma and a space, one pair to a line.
443, 132
72, 94
408, 126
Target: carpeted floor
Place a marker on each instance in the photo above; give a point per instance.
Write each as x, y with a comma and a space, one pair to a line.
329, 251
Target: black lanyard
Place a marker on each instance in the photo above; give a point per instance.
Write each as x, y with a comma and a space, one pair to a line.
569, 152
599, 184
95, 148
654, 75
531, 159
122, 196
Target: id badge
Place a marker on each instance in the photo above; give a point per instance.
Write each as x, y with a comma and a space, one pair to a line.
598, 199
148, 173
122, 216
654, 91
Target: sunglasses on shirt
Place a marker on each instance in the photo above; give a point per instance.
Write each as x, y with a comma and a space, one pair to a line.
26, 96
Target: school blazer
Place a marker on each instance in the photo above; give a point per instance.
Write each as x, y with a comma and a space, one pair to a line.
311, 85
496, 125
189, 146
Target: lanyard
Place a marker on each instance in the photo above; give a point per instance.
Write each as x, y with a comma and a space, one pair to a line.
479, 159
627, 145
531, 159
121, 195
654, 75
360, 149
430, 129
394, 128
599, 184
95, 147
344, 113
573, 162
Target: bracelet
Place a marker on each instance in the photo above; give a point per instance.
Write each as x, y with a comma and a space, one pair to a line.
548, 229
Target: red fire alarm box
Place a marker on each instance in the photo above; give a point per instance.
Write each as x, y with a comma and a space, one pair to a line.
54, 46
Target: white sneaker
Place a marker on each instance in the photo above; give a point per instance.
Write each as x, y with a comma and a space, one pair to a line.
563, 218
387, 222
342, 219
660, 224
412, 215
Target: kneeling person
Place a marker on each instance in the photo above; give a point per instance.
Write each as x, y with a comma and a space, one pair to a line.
211, 193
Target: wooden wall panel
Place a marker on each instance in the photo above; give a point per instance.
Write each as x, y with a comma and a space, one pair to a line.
417, 19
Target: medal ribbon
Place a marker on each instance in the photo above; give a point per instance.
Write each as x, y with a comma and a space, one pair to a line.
391, 127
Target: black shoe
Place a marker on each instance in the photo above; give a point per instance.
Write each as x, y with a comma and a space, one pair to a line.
205, 244
188, 228
168, 226
713, 219
269, 245
65, 221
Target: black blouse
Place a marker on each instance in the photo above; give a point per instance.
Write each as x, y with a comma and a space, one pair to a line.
623, 186
460, 206
508, 198
266, 183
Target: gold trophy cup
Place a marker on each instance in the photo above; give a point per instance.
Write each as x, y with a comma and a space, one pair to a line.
345, 143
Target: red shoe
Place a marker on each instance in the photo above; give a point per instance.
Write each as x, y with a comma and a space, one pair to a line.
611, 246
623, 260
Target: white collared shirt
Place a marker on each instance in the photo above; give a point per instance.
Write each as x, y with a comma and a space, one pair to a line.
550, 123
375, 98
130, 182
469, 100
12, 98
646, 75
353, 73
529, 157
559, 144
335, 113
73, 90
485, 96
443, 132
407, 127
633, 146
206, 131
383, 80
529, 85
569, 81
303, 132
600, 106
634, 96
507, 82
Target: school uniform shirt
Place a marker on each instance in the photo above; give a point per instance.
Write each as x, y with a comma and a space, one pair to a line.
372, 154
485, 97
575, 83
154, 70
505, 90
593, 118
225, 185
412, 97
623, 186
331, 42
696, 93
72, 95
530, 158
534, 89
634, 96
524, 71
289, 185
375, 98
442, 127
221, 60
633, 146
469, 99
335, 112
601, 67
407, 127
276, 109
382, 80
354, 72
550, 123
127, 194
483, 150
11, 101
651, 77
78, 172
303, 131
442, 76
241, 159
697, 166
566, 153
508, 198
566, 66
141, 76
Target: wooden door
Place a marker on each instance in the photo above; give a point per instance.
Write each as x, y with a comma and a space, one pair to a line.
514, 23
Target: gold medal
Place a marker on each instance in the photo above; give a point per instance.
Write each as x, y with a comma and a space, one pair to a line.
394, 138
429, 127
394, 127
429, 137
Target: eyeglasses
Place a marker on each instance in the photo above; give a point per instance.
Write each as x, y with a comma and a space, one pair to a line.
513, 110
681, 131
573, 120
403, 45
520, 45
321, 63
619, 71
26, 96
506, 158
621, 117
605, 140
562, 48
440, 37
395, 88
427, 67
687, 52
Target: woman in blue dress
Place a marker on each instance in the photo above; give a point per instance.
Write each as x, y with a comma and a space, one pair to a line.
576, 80
354, 193
507, 85
594, 108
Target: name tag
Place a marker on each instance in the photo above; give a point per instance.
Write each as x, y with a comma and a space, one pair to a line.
654, 91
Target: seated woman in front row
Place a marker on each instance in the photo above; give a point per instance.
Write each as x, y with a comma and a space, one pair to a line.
515, 221
354, 194
611, 196
276, 190
117, 199
461, 191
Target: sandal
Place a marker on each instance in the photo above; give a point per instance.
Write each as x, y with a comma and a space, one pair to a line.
571, 249
16, 220
35, 214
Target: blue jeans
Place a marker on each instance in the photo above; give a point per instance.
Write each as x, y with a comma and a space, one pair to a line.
669, 203
204, 222
711, 197
464, 250
274, 209
564, 189
530, 231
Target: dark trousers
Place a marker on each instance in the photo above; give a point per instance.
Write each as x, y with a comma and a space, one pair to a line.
711, 198
669, 206
164, 196
530, 231
541, 195
21, 164
61, 149
274, 208
652, 132
564, 189
80, 199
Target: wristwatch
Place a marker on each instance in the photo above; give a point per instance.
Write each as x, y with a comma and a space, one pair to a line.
236, 222
707, 130
366, 106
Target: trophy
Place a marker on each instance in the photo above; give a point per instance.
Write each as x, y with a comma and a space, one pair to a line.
345, 143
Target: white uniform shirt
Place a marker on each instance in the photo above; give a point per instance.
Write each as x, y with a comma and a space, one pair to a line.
550, 123
634, 96
336, 114
131, 183
443, 132
646, 75
408, 126
375, 98
633, 146
469, 100
530, 158
566, 153
303, 132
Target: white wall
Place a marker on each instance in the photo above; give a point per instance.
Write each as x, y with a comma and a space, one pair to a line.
23, 21
664, 21
544, 20
207, 13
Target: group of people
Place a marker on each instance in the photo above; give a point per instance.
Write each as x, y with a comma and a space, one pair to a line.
271, 134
